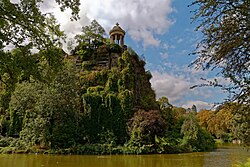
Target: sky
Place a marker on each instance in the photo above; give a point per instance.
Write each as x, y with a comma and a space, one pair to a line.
160, 31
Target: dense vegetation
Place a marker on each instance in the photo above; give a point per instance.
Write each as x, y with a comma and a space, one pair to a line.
57, 103
247, 164
229, 122
224, 48
76, 104
96, 111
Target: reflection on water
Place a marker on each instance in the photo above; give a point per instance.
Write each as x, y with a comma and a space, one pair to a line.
225, 156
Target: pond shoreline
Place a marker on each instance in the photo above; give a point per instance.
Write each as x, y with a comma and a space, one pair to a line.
224, 156
101, 149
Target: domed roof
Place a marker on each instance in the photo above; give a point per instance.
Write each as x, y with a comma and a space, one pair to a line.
117, 28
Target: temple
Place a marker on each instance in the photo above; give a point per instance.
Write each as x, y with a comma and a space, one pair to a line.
117, 35
105, 56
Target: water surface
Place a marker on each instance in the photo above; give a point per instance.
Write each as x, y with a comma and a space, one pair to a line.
224, 156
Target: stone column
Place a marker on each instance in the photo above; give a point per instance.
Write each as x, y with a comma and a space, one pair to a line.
122, 40
118, 39
115, 38
111, 39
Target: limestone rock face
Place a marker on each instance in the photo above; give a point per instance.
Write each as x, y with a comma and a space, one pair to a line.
111, 67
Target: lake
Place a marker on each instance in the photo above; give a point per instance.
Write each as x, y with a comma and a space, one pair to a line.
224, 156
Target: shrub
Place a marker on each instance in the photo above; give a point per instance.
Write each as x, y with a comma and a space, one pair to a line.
144, 126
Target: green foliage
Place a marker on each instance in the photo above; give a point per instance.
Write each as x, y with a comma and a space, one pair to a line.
225, 43
72, 4
229, 122
91, 37
134, 77
144, 126
164, 103
96, 89
110, 109
20, 65
94, 112
47, 113
194, 137
4, 125
93, 78
26, 19
190, 128
241, 124
102, 112
126, 99
52, 60
25, 27
111, 84
225, 46
16, 66
5, 142
165, 145
84, 54
35, 129
247, 164
49, 106
166, 112
115, 48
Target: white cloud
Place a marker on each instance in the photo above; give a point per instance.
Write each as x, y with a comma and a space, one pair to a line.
167, 46
164, 55
199, 105
180, 40
195, 72
172, 87
142, 19
177, 89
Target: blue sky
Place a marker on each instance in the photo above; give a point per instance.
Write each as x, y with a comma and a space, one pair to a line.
162, 32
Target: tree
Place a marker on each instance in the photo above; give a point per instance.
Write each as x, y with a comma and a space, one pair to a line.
23, 21
145, 125
91, 38
179, 112
194, 137
47, 114
15, 66
241, 124
205, 118
21, 65
229, 121
166, 112
91, 35
226, 44
164, 103
24, 27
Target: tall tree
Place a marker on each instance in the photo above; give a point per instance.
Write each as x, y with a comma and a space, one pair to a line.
24, 27
164, 103
226, 43
91, 34
15, 66
23, 21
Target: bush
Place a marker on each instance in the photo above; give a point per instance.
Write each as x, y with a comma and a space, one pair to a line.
247, 164
6, 141
144, 126
47, 113
194, 137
